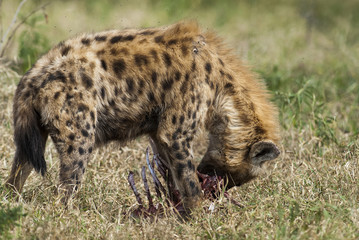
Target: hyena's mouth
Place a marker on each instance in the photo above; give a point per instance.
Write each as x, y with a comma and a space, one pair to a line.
215, 175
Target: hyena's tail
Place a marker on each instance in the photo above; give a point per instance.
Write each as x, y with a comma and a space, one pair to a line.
28, 134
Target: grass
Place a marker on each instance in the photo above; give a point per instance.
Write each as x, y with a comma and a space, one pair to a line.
307, 52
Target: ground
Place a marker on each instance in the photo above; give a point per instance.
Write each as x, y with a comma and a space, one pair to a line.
308, 56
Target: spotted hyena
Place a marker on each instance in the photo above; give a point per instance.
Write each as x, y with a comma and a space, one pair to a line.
169, 83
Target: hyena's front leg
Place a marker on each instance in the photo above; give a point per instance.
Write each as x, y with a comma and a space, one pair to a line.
176, 148
74, 142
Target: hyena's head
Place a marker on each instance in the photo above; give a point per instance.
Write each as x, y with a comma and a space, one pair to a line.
243, 135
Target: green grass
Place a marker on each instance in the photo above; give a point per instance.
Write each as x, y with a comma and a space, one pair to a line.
308, 54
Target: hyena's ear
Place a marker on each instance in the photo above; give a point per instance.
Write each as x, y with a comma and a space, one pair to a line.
263, 151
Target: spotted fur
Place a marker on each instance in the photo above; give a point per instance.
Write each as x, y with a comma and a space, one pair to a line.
169, 83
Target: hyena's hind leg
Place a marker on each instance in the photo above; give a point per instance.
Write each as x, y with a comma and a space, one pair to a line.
74, 143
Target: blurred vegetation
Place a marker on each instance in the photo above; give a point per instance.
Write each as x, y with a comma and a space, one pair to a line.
32, 42
9, 217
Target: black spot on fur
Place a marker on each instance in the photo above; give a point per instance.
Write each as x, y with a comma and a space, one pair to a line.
90, 150
130, 84
179, 156
82, 107
69, 96
244, 119
100, 38
154, 77
184, 87
72, 79
141, 83
194, 115
174, 136
228, 85
72, 136
177, 76
57, 76
172, 41
84, 133
167, 84
181, 119
119, 66
229, 88
103, 92
128, 38
167, 59
65, 50
159, 39
229, 76
104, 65
186, 78
85, 41
189, 113
81, 164
81, 151
259, 130
208, 68
92, 114
179, 130
117, 91
186, 152
192, 184
116, 39
114, 51
180, 168
112, 103
174, 119
86, 80
175, 146
154, 54
100, 53
184, 49
64, 167
190, 165
68, 123
140, 60
151, 96
193, 67
193, 125
70, 149
57, 94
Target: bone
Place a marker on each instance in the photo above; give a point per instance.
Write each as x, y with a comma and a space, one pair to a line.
133, 186
158, 185
147, 189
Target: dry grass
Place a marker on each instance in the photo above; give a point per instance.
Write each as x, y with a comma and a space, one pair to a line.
311, 192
